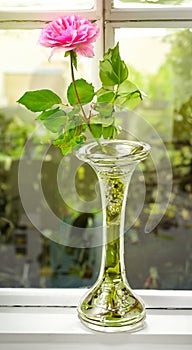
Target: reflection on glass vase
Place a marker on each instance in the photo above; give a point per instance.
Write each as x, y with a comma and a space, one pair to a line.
110, 305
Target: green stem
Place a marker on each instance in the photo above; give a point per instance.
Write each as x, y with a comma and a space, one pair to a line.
83, 116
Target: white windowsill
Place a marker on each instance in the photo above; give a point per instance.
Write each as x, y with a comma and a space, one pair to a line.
168, 322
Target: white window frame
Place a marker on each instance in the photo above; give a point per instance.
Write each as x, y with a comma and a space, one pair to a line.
32, 18
142, 17
112, 18
55, 325
69, 297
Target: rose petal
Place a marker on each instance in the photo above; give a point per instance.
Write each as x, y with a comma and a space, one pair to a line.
85, 50
70, 33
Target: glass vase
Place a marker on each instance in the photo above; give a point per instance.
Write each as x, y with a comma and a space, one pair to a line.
111, 305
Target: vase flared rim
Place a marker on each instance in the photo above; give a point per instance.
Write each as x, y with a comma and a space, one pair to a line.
114, 151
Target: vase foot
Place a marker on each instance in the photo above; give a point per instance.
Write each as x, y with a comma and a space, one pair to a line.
112, 307
114, 329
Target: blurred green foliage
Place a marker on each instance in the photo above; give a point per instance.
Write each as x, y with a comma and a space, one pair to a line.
169, 109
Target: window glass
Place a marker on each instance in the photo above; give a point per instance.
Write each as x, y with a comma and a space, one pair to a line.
37, 248
160, 62
34, 255
46, 4
150, 3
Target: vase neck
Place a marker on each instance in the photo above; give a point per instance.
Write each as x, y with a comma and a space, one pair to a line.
114, 188
114, 164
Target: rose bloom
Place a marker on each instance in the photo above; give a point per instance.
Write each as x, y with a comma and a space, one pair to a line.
70, 33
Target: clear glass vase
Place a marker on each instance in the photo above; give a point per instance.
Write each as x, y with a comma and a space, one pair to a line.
110, 305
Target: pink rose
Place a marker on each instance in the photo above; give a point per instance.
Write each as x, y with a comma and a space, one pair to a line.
70, 33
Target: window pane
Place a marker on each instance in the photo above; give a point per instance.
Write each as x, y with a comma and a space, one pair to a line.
150, 3
37, 248
160, 62
47, 4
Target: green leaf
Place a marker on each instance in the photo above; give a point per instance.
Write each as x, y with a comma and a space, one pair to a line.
105, 95
128, 96
44, 115
74, 111
74, 58
53, 120
67, 53
113, 70
109, 132
105, 109
39, 100
75, 121
129, 101
106, 74
85, 92
96, 130
73, 133
69, 140
127, 87
100, 119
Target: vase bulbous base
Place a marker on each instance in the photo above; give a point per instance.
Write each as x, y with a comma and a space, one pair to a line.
112, 307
